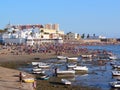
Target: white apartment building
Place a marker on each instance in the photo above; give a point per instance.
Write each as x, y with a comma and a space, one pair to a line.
31, 36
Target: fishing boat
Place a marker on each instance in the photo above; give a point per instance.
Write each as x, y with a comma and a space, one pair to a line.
43, 65
86, 56
116, 66
61, 57
46, 77
36, 69
43, 77
35, 63
113, 63
113, 57
65, 81
80, 68
116, 73
64, 72
28, 80
74, 59
71, 65
38, 72
115, 84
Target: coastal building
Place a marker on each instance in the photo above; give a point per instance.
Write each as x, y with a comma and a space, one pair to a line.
53, 34
48, 26
32, 34
55, 26
72, 36
27, 26
109, 40
92, 39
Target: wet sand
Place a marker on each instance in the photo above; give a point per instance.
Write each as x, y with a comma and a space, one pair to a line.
9, 79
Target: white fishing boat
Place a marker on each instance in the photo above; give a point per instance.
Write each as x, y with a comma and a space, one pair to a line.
61, 57
35, 63
65, 72
113, 57
80, 68
36, 69
74, 59
43, 65
38, 72
113, 63
115, 84
71, 65
65, 81
44, 77
116, 73
62, 73
116, 66
86, 56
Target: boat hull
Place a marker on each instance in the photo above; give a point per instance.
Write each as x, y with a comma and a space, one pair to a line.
28, 80
66, 82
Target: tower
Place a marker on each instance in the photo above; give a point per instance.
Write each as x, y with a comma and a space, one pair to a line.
48, 26
55, 26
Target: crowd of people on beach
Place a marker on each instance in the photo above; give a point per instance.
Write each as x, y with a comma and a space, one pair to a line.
56, 48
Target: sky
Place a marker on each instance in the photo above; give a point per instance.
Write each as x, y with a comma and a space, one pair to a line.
99, 17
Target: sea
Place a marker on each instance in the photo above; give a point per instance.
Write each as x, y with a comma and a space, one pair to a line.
97, 76
102, 75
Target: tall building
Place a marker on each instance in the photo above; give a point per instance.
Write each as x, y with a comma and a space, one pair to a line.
55, 26
48, 26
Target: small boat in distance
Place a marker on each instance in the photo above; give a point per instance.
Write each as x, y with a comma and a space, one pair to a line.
35, 63
116, 73
71, 65
36, 69
65, 81
42, 76
45, 77
43, 65
113, 57
72, 59
38, 72
28, 80
61, 57
116, 66
80, 68
65, 72
62, 73
115, 84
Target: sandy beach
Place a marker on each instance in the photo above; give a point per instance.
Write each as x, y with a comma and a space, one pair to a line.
9, 80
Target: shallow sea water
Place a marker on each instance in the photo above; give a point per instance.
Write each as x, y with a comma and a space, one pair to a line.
97, 76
